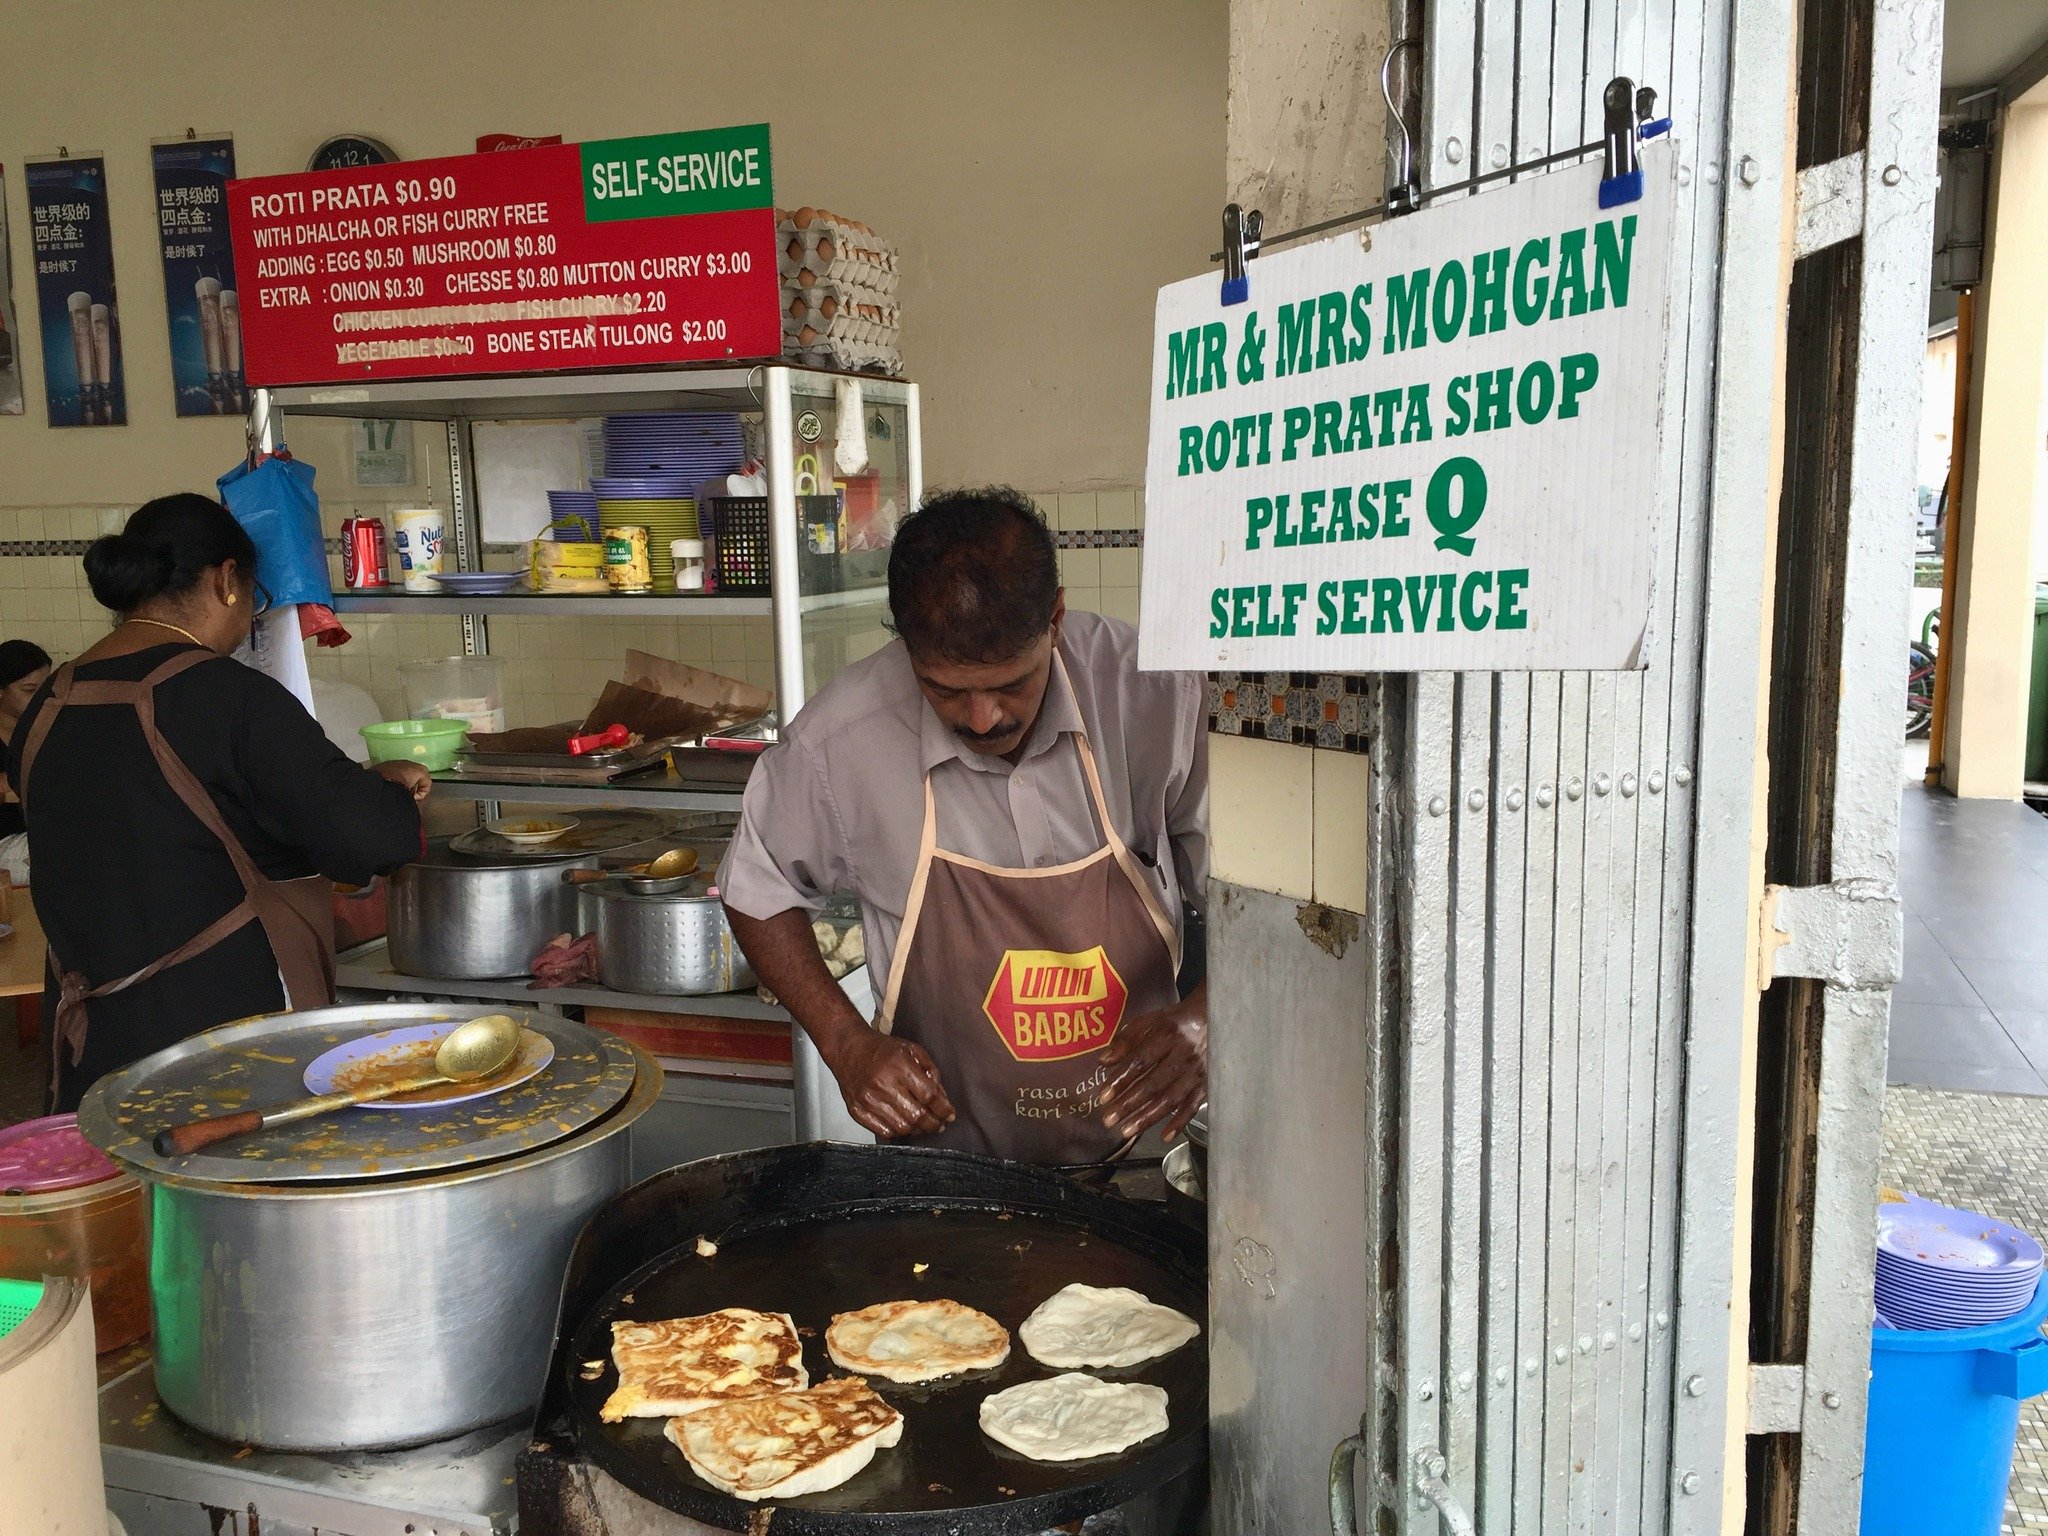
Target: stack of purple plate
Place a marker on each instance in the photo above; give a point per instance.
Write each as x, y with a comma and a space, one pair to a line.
695, 447
573, 516
1939, 1267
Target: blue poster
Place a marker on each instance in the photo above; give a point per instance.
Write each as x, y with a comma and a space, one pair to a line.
200, 296
74, 256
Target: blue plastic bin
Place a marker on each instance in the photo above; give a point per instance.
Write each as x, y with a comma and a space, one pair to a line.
1944, 1411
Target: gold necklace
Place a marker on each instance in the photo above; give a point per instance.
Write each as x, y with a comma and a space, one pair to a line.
174, 629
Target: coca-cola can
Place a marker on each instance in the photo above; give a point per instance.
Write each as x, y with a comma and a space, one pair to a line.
362, 552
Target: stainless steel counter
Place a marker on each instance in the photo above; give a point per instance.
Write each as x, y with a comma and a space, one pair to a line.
166, 1480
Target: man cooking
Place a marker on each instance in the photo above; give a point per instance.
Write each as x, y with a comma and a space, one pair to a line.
1020, 811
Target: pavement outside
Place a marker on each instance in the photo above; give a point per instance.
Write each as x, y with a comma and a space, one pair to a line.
1966, 1112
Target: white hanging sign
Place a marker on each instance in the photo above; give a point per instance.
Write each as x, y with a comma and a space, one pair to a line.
1435, 451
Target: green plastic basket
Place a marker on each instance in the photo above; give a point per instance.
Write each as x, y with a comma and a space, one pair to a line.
18, 1298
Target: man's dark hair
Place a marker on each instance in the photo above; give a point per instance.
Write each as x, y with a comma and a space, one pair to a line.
973, 576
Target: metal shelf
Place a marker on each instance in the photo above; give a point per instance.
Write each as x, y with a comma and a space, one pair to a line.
661, 793
538, 397
368, 969
541, 604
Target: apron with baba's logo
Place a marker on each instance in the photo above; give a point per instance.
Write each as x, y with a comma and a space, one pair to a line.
1016, 980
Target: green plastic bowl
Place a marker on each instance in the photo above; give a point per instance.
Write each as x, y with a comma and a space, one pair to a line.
430, 743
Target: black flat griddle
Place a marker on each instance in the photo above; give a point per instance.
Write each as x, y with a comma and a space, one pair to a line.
818, 1229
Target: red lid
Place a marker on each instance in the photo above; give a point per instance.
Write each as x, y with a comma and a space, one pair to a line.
39, 1156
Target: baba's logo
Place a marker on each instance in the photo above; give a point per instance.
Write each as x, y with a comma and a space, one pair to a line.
1048, 1006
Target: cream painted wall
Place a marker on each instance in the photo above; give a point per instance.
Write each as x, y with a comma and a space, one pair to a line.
1044, 168
1306, 143
2003, 477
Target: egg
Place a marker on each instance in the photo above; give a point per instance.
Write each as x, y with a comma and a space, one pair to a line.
827, 306
798, 308
826, 249
806, 278
803, 218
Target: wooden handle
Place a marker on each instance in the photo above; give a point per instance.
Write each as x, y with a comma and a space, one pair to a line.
183, 1140
587, 876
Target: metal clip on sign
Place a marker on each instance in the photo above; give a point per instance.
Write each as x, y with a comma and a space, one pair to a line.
1628, 122
1241, 232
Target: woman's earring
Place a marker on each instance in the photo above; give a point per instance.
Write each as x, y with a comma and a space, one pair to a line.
232, 599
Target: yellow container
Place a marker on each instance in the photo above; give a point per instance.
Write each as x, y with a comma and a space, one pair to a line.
626, 563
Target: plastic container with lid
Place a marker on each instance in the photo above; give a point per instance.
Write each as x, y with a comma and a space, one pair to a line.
466, 688
66, 1209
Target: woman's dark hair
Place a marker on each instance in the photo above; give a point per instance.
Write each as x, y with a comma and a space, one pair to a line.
18, 658
973, 576
167, 546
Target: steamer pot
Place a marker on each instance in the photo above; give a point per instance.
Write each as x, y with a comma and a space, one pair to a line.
670, 943
462, 917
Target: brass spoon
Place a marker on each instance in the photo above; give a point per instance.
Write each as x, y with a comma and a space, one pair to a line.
469, 1052
677, 861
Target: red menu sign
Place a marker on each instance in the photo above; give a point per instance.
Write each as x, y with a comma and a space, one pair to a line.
621, 253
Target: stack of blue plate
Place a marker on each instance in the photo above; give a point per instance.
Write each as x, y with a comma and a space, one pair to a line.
573, 516
1939, 1267
695, 446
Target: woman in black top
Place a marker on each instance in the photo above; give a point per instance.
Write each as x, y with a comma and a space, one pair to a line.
24, 666
185, 814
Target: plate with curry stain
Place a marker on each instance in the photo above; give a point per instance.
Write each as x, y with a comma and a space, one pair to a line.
393, 1055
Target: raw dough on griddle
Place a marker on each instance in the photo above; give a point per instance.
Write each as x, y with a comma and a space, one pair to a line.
681, 1364
1075, 1416
911, 1341
1104, 1327
790, 1443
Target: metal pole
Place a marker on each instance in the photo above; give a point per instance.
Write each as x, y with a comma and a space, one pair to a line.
783, 574
1951, 538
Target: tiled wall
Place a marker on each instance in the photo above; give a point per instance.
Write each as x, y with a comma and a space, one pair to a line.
554, 667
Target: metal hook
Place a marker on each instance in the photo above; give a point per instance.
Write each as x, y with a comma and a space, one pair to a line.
1405, 195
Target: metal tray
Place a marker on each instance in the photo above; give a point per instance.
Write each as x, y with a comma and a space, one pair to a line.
618, 759
262, 1061
824, 1228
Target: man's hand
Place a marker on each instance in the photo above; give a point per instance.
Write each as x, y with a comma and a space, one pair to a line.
890, 1085
414, 779
1159, 1068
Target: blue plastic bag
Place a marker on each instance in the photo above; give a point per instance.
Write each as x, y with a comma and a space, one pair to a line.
275, 502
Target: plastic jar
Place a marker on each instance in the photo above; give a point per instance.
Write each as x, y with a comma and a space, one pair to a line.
688, 555
466, 688
66, 1209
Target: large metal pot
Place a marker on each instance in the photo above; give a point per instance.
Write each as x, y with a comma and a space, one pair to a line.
460, 916
376, 1313
674, 942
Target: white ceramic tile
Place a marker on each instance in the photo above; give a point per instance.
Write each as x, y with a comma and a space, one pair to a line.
1077, 510
1342, 782
1261, 805
1080, 568
1116, 509
1119, 603
1121, 567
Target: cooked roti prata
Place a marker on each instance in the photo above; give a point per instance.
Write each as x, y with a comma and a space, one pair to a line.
916, 1340
1103, 1326
789, 1443
1070, 1417
681, 1364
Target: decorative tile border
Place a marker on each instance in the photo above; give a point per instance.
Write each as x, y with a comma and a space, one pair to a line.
1306, 709
1099, 538
44, 546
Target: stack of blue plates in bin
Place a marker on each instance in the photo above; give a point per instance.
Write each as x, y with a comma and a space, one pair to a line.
573, 516
695, 446
1939, 1267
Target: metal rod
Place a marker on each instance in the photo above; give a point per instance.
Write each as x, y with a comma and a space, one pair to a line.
1951, 537
1431, 194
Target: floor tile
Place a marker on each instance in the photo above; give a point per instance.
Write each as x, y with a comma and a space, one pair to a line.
2028, 1028
1970, 1037
1956, 1077
2003, 984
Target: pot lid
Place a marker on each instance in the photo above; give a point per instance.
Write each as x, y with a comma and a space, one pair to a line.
594, 832
39, 1157
261, 1062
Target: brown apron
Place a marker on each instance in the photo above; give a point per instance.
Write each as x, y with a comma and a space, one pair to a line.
297, 915
1016, 980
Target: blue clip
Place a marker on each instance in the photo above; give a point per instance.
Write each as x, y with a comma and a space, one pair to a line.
1656, 128
1623, 182
1241, 233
